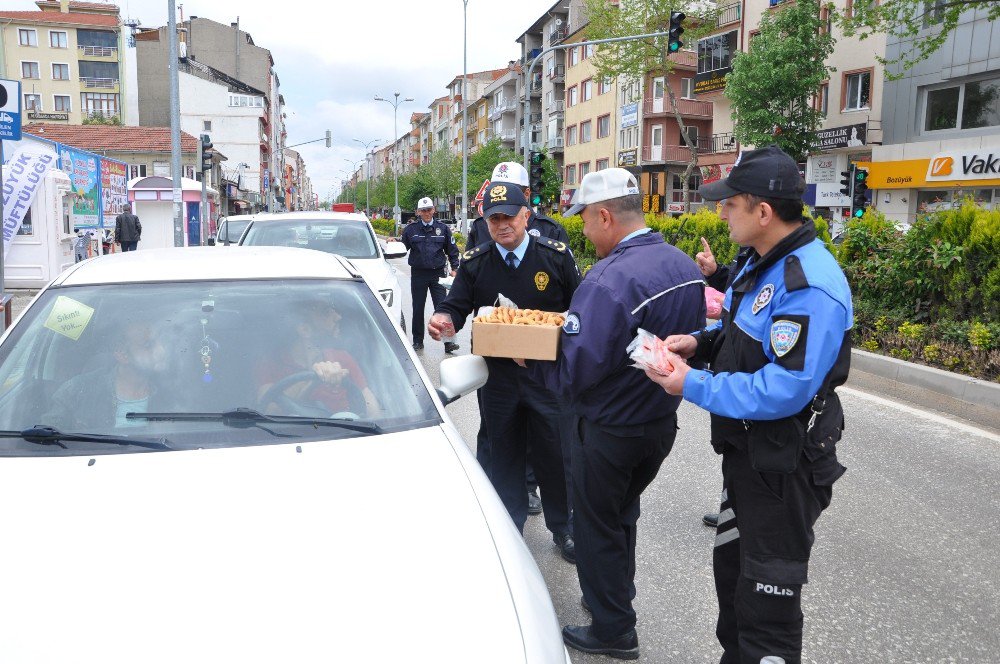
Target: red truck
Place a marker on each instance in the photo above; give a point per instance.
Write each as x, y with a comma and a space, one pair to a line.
342, 207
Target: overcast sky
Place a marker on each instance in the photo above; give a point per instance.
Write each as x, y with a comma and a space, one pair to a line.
334, 57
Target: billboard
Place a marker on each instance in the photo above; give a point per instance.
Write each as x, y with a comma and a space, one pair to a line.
114, 196
630, 115
84, 195
715, 55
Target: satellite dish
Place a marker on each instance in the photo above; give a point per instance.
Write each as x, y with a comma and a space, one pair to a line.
558, 22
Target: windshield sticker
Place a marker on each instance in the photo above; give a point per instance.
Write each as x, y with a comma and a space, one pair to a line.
69, 317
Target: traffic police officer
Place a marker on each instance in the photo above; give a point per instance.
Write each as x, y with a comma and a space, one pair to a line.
782, 347
538, 224
626, 424
535, 273
431, 247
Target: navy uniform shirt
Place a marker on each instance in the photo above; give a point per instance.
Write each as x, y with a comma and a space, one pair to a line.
431, 246
538, 226
644, 283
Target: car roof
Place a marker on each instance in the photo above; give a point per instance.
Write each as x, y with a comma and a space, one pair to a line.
238, 217
320, 215
207, 263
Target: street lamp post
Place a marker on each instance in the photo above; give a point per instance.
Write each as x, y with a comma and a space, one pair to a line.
465, 128
368, 169
395, 171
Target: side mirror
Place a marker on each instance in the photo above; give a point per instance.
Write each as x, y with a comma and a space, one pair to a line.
460, 376
395, 250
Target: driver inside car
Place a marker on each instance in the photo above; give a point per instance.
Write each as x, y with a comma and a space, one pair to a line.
337, 385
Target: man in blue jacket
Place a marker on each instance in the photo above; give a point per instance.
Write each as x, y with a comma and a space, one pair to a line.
782, 346
625, 429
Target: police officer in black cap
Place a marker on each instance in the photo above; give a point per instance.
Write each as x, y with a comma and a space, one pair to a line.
538, 224
535, 273
782, 347
431, 247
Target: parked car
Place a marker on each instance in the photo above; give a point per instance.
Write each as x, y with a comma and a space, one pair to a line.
230, 229
348, 234
170, 498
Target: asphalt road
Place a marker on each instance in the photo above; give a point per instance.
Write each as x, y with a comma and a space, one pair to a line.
904, 567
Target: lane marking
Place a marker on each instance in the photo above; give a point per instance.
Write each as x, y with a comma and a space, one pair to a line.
933, 417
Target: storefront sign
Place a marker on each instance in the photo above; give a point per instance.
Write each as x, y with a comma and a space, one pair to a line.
21, 176
114, 194
712, 48
627, 158
850, 136
715, 172
630, 115
84, 175
822, 169
972, 165
913, 173
828, 195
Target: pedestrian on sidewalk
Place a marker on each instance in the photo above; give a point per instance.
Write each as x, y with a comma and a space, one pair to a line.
128, 230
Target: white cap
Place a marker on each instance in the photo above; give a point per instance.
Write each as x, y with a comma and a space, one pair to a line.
425, 203
603, 186
510, 171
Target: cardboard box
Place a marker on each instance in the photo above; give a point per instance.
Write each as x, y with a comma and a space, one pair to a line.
529, 342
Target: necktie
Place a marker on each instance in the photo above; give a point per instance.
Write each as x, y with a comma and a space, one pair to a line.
512, 260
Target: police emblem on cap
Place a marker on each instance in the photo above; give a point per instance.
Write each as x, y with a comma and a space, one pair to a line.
541, 280
498, 194
501, 170
572, 324
534, 232
784, 334
763, 297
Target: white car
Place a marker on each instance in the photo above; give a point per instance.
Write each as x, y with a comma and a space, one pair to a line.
172, 496
230, 229
348, 234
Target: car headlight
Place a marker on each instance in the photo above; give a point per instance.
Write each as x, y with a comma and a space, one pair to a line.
387, 296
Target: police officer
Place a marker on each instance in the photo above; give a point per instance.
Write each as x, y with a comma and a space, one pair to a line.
536, 273
538, 224
782, 347
626, 429
431, 247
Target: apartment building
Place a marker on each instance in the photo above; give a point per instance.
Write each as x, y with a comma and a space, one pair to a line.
629, 139
590, 123
941, 127
475, 88
68, 56
502, 109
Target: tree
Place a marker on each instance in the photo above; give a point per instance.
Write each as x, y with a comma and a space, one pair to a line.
444, 171
482, 162
772, 84
551, 180
922, 26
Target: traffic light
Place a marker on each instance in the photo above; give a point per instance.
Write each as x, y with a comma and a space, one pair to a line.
846, 181
859, 199
535, 180
676, 30
329, 138
206, 153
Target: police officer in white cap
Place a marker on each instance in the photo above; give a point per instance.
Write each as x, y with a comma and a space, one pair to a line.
431, 247
538, 224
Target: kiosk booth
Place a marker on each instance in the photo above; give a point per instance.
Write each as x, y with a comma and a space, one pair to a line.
152, 200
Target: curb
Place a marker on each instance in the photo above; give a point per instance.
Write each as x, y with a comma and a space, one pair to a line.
961, 396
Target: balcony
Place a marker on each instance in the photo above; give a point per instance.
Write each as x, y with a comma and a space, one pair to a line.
536, 87
730, 14
98, 51
556, 106
99, 83
535, 118
558, 74
505, 106
558, 34
659, 154
555, 143
508, 135
716, 143
688, 107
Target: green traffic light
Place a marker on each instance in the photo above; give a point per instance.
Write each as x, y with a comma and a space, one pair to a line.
860, 212
674, 47
861, 176
536, 199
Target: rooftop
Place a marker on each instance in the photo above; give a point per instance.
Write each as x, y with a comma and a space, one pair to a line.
71, 18
107, 138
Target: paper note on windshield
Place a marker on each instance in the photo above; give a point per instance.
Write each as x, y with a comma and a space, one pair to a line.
69, 317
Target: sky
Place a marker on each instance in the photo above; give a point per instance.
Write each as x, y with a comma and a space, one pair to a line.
332, 57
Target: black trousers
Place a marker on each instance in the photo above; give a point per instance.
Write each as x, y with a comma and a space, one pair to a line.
611, 466
129, 246
422, 280
521, 414
483, 449
761, 556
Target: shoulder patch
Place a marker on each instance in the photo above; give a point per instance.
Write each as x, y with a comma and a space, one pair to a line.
555, 245
795, 276
476, 252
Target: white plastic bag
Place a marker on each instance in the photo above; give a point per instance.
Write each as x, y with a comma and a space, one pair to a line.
647, 351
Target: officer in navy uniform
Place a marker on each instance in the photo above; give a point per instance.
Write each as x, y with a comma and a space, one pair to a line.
626, 425
783, 345
431, 247
535, 273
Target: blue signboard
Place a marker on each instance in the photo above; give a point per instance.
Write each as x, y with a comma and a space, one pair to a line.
10, 110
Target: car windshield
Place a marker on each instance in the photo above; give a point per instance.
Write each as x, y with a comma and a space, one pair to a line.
233, 229
98, 359
349, 238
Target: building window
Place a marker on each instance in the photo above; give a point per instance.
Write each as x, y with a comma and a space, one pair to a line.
32, 102
58, 39
136, 171
574, 56
571, 135
677, 195
549, 96
604, 86
933, 12
26, 37
206, 125
62, 103
60, 72
588, 52
604, 126
856, 9
584, 169
189, 171
571, 96
972, 105
586, 90
571, 175
687, 88
586, 129
99, 103
857, 90
601, 164
823, 101
716, 52
29, 70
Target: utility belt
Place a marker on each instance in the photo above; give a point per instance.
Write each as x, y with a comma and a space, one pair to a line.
777, 445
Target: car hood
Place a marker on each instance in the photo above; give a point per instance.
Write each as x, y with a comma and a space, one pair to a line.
376, 271
365, 549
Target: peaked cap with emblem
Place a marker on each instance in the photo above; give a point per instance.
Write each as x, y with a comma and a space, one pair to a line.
503, 198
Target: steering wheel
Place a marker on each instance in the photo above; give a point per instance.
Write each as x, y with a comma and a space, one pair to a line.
276, 395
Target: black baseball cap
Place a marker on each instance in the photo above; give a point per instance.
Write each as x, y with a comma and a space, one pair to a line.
768, 172
503, 198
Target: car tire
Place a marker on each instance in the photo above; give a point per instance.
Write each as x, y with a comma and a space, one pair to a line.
402, 322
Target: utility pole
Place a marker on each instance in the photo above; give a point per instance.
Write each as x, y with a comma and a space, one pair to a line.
175, 125
465, 126
396, 211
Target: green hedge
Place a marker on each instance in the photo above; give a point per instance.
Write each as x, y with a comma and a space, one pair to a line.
383, 226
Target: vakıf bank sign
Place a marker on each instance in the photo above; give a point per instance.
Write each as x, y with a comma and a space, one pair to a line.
973, 165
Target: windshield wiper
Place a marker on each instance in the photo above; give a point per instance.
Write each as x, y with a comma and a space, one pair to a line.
246, 417
45, 435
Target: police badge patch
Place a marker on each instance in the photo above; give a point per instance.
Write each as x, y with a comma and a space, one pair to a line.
541, 280
437, 231
534, 232
784, 335
763, 297
572, 324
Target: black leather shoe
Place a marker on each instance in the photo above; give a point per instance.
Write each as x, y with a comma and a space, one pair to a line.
580, 638
711, 520
418, 345
450, 347
534, 503
566, 546
583, 603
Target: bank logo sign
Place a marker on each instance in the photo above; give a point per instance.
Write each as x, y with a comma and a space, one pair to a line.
973, 165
